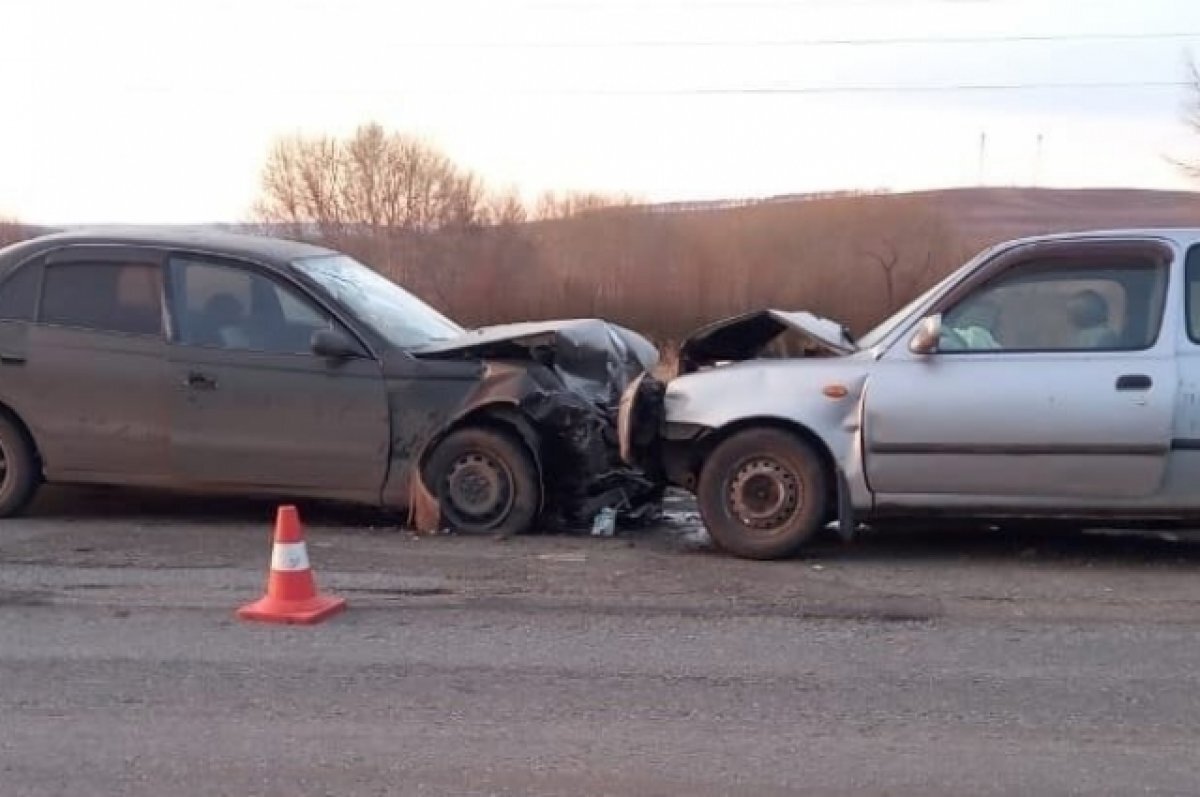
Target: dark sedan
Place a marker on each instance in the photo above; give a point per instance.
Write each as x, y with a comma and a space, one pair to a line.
243, 364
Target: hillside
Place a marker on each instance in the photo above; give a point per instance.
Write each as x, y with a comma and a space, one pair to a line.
990, 214
999, 213
986, 214
666, 269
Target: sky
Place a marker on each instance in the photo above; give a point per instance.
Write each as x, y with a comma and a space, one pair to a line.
163, 111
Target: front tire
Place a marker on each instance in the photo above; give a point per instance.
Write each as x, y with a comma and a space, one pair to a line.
485, 481
762, 493
19, 472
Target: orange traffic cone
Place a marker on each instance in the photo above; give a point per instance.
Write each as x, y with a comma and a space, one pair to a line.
291, 590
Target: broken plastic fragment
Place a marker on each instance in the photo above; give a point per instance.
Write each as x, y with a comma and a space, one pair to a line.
604, 524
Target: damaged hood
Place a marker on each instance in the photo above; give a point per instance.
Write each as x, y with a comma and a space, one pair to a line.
743, 337
594, 357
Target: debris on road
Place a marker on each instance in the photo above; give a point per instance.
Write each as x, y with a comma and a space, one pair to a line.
574, 558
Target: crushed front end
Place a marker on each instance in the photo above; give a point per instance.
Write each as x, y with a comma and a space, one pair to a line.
564, 381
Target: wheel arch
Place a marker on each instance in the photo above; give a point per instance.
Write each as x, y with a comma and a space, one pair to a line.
501, 416
7, 411
703, 446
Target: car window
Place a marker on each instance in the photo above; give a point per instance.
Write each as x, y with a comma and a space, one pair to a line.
1192, 295
18, 294
1061, 306
110, 297
397, 315
232, 307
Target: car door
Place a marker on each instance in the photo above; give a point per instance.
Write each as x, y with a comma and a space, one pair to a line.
93, 382
1050, 381
253, 407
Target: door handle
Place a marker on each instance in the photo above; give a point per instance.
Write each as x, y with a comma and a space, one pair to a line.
1133, 382
12, 359
199, 381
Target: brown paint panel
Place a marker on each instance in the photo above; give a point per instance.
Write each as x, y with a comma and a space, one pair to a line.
97, 403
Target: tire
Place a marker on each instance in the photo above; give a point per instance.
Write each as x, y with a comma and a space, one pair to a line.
21, 475
485, 482
762, 494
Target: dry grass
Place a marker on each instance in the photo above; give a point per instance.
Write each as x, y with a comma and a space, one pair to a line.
668, 360
12, 231
667, 274
853, 258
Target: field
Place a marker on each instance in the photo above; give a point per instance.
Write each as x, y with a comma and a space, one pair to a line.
666, 271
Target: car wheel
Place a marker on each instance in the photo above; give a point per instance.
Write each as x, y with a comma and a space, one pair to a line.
485, 481
762, 494
19, 475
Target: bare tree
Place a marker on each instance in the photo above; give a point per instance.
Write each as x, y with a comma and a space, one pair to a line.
908, 242
505, 208
886, 256
373, 180
1192, 118
567, 204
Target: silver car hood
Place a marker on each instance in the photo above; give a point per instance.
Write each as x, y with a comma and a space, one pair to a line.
743, 337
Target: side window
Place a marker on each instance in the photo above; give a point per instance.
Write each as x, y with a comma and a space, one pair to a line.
230, 307
1061, 305
1192, 295
109, 297
18, 293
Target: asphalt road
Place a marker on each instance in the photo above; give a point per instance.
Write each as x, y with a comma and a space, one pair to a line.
914, 664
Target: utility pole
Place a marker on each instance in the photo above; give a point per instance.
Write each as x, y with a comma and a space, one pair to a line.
982, 155
1037, 163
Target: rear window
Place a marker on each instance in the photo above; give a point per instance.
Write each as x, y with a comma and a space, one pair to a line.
109, 297
18, 294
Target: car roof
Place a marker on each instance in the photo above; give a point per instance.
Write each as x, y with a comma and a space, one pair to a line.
1183, 235
274, 251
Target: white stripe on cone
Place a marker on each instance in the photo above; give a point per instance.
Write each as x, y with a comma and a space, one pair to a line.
287, 556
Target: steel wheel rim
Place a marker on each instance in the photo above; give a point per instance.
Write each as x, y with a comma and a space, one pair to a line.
5, 471
478, 489
764, 495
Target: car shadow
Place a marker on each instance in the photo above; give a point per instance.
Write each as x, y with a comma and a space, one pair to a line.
92, 503
1043, 543
680, 532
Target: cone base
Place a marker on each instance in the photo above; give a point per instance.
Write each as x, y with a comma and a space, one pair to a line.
303, 612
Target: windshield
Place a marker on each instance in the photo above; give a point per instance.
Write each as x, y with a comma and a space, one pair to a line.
876, 335
401, 318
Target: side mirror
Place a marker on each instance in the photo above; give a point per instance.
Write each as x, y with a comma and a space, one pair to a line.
925, 339
334, 344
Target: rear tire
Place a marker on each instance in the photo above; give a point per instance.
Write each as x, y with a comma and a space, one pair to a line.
19, 471
485, 481
762, 494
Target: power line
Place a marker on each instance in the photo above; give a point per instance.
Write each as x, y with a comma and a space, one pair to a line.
697, 91
794, 5
866, 89
821, 42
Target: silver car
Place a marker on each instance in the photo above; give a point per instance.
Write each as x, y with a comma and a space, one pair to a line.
1051, 377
